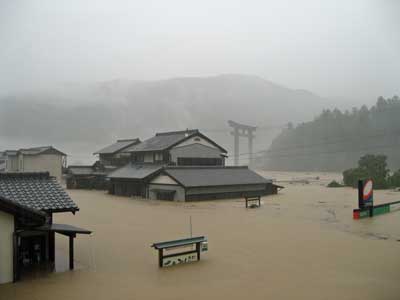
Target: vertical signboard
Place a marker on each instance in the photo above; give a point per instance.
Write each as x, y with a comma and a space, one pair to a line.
365, 193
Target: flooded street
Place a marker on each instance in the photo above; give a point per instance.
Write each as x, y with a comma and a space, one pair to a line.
300, 244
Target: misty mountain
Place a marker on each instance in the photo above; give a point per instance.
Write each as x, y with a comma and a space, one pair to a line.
79, 118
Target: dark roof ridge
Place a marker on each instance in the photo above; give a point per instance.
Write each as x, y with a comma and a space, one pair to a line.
206, 167
189, 131
39, 175
128, 140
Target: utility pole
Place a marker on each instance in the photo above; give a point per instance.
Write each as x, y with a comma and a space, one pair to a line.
241, 130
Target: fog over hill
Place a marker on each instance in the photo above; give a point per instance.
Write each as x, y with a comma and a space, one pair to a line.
80, 118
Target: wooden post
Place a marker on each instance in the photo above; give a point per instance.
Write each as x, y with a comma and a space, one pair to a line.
198, 250
52, 242
71, 251
160, 258
15, 258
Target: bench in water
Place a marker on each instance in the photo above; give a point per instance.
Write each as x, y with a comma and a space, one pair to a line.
254, 201
180, 251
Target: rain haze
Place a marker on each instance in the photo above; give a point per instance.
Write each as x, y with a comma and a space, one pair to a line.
93, 55
255, 145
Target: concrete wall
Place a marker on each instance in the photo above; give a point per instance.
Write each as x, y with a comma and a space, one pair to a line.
194, 150
6, 247
179, 191
51, 163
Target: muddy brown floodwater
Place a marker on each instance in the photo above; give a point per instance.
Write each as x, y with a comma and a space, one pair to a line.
301, 244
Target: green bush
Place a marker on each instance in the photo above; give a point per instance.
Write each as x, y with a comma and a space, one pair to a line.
369, 166
334, 184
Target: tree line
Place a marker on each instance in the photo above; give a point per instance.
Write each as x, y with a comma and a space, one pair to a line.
335, 139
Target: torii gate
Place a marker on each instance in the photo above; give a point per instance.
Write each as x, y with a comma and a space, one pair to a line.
241, 130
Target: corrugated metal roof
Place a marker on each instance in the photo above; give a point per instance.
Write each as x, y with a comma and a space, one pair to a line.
35, 190
135, 171
118, 146
214, 176
161, 141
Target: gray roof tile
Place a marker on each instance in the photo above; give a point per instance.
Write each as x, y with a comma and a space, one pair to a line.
118, 146
161, 141
135, 171
36, 190
214, 176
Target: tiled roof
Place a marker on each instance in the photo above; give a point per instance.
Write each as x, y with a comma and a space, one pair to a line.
15, 208
135, 171
40, 150
36, 190
118, 146
214, 176
161, 141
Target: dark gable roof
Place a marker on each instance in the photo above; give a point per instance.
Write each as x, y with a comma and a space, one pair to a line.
214, 176
40, 150
118, 146
37, 191
165, 140
136, 171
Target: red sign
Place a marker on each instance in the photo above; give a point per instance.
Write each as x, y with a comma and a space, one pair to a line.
368, 191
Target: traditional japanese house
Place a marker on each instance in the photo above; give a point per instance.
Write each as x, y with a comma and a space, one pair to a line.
184, 165
114, 155
89, 176
28, 202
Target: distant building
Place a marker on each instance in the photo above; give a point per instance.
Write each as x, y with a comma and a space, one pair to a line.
114, 155
38, 159
94, 176
88, 176
27, 232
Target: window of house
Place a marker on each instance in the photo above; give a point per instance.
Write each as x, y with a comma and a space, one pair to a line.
199, 161
139, 157
158, 156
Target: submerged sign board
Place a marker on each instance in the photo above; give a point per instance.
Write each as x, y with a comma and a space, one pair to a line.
366, 206
179, 259
182, 251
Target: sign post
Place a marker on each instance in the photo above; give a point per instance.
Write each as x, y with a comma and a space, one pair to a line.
366, 206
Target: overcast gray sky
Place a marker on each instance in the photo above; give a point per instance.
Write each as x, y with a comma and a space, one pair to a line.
348, 49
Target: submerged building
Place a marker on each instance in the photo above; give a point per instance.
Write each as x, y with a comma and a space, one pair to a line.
95, 176
184, 166
28, 202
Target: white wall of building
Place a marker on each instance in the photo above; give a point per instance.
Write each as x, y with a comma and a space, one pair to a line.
148, 157
6, 247
166, 183
51, 163
196, 140
194, 150
164, 179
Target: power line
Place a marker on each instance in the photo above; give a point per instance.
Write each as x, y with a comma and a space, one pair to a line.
338, 142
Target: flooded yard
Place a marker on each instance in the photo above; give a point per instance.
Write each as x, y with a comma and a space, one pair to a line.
300, 244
